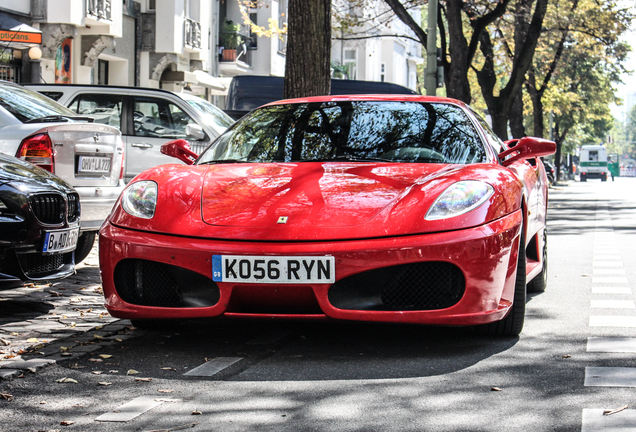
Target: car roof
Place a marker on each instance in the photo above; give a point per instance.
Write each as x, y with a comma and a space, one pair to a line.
370, 98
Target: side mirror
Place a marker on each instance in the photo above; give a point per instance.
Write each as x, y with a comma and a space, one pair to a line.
179, 149
194, 131
526, 148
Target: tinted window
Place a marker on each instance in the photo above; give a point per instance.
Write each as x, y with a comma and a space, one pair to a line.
27, 105
104, 108
387, 131
159, 118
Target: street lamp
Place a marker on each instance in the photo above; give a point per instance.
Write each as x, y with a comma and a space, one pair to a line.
35, 53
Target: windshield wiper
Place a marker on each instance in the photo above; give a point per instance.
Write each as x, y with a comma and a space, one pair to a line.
350, 159
221, 161
59, 118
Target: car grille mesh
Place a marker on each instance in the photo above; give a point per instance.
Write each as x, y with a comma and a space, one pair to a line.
73, 207
418, 286
150, 283
40, 265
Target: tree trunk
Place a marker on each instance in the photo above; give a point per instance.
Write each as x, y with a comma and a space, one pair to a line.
517, 128
308, 60
536, 96
456, 77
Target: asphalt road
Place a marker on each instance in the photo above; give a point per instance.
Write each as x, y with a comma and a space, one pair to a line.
573, 361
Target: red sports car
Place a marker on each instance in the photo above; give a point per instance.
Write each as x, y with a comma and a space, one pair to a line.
370, 208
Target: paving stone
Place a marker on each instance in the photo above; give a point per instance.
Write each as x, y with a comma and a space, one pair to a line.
7, 374
25, 364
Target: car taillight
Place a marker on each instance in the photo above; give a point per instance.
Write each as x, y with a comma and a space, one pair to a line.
38, 150
121, 171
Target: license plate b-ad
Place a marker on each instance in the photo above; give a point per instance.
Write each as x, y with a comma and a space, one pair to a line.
273, 270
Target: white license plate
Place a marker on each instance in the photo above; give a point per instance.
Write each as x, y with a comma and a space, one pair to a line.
60, 241
93, 164
274, 269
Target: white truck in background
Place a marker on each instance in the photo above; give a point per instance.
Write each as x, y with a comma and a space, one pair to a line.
593, 163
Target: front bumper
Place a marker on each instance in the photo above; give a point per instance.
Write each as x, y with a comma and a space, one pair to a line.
486, 256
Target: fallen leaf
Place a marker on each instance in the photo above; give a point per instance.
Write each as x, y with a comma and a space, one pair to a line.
143, 379
167, 400
66, 380
104, 383
168, 368
6, 396
196, 412
566, 356
113, 371
66, 422
5, 342
98, 337
614, 411
165, 391
33, 340
95, 360
97, 372
42, 402
105, 356
496, 389
131, 372
99, 327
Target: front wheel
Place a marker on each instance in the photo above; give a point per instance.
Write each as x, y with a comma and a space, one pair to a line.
84, 245
512, 324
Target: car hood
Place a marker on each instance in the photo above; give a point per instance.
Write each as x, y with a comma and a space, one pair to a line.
313, 201
14, 170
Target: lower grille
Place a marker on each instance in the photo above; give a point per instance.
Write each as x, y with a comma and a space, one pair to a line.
409, 287
41, 265
149, 283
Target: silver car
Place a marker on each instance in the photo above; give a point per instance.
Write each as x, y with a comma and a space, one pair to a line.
88, 156
146, 117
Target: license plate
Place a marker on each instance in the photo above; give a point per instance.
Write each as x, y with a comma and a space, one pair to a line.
60, 241
274, 269
93, 165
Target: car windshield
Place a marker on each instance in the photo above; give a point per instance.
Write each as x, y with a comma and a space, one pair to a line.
26, 105
211, 114
391, 131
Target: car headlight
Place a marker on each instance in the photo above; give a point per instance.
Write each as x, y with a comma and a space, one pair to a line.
459, 198
140, 199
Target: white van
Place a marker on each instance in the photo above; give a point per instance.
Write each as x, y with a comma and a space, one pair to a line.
593, 162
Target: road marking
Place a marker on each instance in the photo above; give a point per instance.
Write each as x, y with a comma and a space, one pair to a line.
132, 409
608, 272
213, 366
610, 377
599, 263
613, 304
610, 279
613, 321
594, 421
611, 290
611, 344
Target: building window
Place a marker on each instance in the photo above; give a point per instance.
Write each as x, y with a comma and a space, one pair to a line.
253, 38
382, 72
351, 63
152, 5
102, 72
282, 22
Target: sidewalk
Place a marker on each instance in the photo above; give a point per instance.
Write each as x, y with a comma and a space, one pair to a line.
60, 321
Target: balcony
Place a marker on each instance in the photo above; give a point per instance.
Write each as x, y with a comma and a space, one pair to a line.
192, 34
99, 10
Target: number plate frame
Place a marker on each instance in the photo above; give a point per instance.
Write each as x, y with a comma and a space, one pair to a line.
274, 269
94, 164
60, 241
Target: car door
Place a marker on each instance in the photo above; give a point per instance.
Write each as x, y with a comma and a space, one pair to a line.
151, 123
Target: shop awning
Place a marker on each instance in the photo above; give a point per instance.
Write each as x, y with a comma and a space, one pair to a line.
199, 77
17, 35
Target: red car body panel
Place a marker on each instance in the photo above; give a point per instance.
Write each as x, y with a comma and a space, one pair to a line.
367, 215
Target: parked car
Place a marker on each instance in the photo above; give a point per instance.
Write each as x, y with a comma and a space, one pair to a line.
147, 118
550, 172
378, 208
247, 92
87, 155
39, 224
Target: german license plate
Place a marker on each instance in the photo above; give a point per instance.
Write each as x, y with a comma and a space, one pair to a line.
60, 241
93, 165
274, 269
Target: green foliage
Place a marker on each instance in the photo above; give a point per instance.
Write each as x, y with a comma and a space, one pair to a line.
230, 38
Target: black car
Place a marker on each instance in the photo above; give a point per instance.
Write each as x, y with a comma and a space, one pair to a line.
39, 224
550, 172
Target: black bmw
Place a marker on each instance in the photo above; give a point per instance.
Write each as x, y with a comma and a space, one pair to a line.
39, 224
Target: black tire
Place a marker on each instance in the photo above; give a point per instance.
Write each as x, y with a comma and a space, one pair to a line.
84, 245
512, 324
540, 281
603, 179
583, 178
